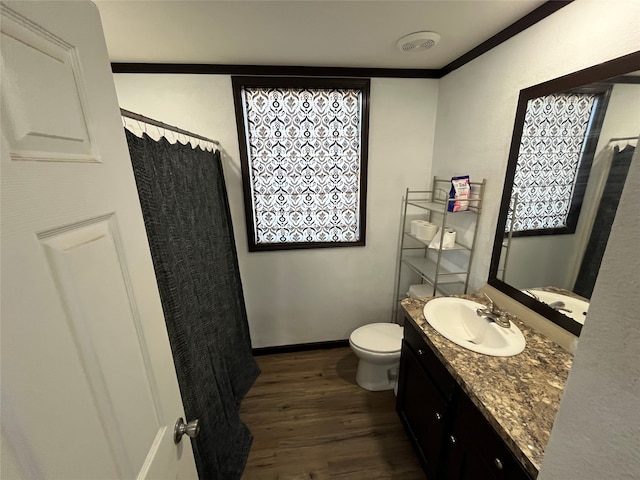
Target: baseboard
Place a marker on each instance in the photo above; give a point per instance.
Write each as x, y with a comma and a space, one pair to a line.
300, 347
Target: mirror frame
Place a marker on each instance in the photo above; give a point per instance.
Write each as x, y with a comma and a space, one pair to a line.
613, 68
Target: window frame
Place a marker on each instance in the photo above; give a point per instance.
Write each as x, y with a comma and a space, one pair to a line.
240, 82
592, 135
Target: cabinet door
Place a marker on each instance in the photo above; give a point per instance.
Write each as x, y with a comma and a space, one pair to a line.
463, 461
422, 410
431, 364
474, 449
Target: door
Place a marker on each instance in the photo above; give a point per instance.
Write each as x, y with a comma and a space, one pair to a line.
88, 383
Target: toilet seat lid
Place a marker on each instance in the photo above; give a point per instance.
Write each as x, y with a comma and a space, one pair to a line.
378, 337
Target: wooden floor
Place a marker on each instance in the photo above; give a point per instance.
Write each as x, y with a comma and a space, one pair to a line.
310, 420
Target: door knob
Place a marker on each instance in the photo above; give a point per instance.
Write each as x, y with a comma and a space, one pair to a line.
190, 429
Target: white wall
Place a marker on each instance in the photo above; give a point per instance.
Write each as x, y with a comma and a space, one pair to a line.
477, 103
540, 261
597, 430
310, 295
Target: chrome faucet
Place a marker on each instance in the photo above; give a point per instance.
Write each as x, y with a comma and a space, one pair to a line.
494, 314
559, 306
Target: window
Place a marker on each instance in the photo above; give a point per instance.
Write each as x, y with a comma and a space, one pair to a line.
303, 149
557, 146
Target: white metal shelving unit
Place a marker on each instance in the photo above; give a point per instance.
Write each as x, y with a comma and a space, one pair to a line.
506, 243
435, 273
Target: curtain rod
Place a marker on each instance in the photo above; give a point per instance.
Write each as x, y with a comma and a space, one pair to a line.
617, 139
156, 123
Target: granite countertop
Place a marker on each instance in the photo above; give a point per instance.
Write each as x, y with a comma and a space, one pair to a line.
562, 291
519, 395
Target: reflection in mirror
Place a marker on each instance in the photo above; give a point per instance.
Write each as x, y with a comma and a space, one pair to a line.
574, 140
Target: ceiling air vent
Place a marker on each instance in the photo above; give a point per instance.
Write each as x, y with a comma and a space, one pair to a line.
418, 42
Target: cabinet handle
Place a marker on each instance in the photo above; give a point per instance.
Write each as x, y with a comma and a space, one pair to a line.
452, 439
420, 352
438, 416
498, 463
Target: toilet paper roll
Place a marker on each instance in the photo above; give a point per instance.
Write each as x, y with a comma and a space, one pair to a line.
426, 231
449, 238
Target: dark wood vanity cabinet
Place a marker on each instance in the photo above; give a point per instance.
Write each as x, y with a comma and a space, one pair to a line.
425, 391
422, 410
474, 450
452, 438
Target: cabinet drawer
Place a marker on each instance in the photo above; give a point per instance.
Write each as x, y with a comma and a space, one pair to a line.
429, 361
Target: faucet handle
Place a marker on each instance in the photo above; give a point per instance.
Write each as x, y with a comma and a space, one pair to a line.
504, 319
491, 304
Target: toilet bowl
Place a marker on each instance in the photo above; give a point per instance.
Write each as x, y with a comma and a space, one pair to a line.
377, 347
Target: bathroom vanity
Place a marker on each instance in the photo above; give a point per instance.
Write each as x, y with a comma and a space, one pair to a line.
474, 416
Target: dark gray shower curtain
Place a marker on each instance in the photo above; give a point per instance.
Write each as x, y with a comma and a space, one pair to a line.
186, 214
603, 222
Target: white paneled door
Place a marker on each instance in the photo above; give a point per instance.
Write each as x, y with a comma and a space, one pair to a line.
89, 389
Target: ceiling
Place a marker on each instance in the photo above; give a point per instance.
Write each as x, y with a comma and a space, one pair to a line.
322, 33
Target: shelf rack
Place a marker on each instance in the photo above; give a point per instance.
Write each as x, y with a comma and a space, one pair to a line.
506, 243
427, 263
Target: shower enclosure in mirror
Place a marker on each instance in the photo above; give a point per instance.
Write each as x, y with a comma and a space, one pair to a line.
573, 142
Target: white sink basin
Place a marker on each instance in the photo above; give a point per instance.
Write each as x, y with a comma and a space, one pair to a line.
456, 320
578, 307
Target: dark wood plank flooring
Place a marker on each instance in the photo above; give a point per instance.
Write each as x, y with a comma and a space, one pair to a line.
310, 420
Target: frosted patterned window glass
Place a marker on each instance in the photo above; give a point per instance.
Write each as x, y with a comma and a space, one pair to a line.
551, 148
304, 150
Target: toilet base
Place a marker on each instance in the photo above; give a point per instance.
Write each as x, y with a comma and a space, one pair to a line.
376, 377
377, 347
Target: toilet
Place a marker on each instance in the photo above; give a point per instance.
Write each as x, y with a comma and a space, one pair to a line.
377, 347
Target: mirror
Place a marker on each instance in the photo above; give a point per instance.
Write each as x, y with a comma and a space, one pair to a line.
572, 143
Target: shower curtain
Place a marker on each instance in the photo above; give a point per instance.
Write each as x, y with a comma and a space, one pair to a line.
607, 208
186, 214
